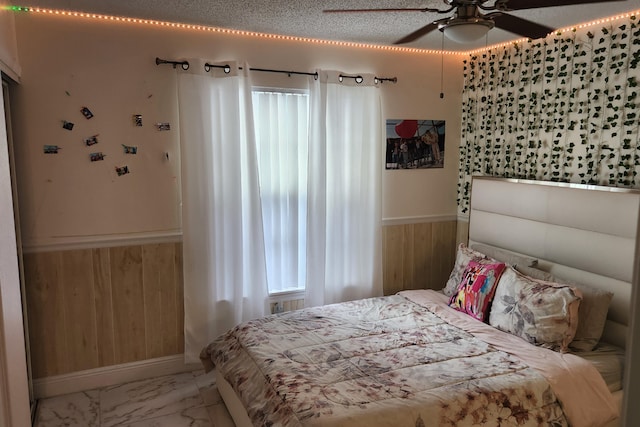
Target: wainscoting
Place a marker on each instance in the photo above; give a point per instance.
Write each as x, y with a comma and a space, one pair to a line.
92, 308
462, 232
418, 256
100, 307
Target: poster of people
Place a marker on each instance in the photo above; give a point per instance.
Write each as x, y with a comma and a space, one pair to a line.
415, 144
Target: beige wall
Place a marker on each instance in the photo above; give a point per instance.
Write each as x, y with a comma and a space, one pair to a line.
109, 67
78, 291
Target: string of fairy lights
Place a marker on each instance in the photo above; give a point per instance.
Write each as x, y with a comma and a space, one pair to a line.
629, 15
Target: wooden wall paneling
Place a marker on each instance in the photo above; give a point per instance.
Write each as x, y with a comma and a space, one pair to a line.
103, 306
169, 330
418, 256
76, 278
444, 252
159, 299
422, 256
408, 257
99, 307
179, 290
45, 302
128, 303
153, 299
392, 254
293, 304
462, 232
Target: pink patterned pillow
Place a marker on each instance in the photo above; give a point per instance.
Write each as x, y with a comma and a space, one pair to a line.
476, 289
463, 256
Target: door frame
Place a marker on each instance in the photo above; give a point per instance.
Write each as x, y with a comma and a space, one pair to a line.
14, 384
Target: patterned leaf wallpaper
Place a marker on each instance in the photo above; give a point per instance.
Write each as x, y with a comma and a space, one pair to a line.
565, 108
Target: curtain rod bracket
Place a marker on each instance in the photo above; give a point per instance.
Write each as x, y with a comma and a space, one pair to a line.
358, 79
226, 68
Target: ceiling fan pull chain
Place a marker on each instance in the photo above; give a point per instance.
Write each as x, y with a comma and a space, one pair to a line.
442, 69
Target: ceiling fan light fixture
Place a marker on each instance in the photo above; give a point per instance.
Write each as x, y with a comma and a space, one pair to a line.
466, 30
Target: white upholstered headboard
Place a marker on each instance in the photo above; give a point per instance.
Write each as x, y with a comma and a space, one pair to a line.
580, 233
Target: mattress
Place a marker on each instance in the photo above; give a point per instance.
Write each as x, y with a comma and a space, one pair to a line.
398, 360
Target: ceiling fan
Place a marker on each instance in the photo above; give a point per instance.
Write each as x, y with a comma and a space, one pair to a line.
468, 23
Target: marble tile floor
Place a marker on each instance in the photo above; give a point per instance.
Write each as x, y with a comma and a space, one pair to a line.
186, 399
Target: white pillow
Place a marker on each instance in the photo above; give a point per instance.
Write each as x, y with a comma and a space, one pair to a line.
592, 314
542, 313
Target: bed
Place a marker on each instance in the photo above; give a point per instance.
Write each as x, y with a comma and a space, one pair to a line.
413, 359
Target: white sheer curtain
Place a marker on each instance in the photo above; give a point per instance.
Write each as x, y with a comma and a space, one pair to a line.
344, 191
223, 248
282, 120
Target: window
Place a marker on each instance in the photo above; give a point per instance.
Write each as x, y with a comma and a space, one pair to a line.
281, 124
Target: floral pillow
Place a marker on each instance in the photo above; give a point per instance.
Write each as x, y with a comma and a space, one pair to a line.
543, 313
463, 256
592, 314
476, 289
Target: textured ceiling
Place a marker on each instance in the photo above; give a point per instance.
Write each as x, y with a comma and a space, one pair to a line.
306, 18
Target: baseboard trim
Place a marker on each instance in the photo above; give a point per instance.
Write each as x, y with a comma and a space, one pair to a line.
110, 375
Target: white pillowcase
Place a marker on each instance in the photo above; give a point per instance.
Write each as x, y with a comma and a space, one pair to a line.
542, 313
592, 314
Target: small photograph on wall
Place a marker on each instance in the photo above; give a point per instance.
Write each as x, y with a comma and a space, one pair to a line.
415, 144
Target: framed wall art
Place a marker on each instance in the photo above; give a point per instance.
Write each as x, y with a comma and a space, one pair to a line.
414, 144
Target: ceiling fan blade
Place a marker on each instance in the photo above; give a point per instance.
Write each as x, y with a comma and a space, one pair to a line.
418, 33
423, 9
520, 26
534, 4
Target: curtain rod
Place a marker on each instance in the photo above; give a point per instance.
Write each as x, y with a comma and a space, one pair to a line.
227, 69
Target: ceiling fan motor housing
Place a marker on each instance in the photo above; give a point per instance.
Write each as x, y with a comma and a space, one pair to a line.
467, 10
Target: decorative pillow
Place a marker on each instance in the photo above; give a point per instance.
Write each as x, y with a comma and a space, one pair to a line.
463, 256
593, 316
476, 289
592, 313
507, 257
543, 313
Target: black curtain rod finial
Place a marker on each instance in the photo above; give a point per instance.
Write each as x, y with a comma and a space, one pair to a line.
183, 64
385, 79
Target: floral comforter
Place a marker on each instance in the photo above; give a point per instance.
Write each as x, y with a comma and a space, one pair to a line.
380, 361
